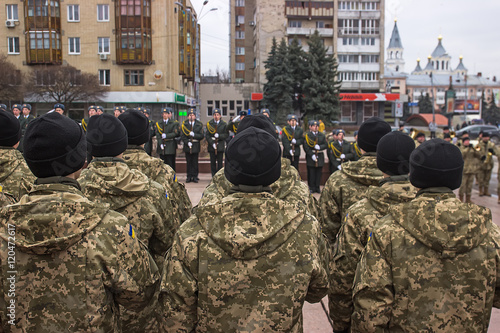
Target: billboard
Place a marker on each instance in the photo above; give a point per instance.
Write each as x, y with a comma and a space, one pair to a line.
473, 106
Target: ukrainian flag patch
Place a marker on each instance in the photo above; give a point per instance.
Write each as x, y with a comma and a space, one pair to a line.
175, 178
166, 194
131, 232
369, 237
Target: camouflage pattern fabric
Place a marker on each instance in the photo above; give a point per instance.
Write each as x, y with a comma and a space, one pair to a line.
432, 265
485, 167
158, 171
471, 165
288, 187
15, 176
346, 188
6, 199
352, 238
244, 264
75, 261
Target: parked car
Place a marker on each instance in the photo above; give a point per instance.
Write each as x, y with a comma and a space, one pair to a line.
474, 130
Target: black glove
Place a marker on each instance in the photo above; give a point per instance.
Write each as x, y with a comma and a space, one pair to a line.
483, 158
491, 151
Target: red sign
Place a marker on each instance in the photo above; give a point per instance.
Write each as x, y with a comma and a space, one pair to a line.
257, 96
380, 97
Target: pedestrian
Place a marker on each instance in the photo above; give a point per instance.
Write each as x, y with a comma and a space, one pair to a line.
472, 160
429, 264
339, 151
167, 130
487, 149
314, 145
233, 265
292, 139
216, 135
191, 135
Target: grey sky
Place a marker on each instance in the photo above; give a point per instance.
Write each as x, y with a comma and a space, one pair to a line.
469, 28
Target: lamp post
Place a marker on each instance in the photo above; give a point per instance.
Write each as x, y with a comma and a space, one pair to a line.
465, 102
211, 10
432, 126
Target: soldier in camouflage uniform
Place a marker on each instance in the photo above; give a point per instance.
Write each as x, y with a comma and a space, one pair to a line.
292, 139
154, 168
216, 136
234, 263
486, 149
75, 260
471, 159
432, 264
393, 154
15, 176
108, 179
6, 198
350, 185
167, 130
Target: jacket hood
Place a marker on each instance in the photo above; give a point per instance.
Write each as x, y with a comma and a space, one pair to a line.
10, 159
250, 225
114, 181
392, 192
442, 222
286, 183
364, 170
44, 226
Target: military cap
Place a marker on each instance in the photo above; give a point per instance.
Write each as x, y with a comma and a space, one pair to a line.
420, 134
147, 111
191, 111
370, 132
314, 123
340, 131
59, 106
3, 107
243, 113
98, 107
27, 106
355, 133
291, 116
10, 129
166, 110
123, 108
118, 107
17, 106
139, 108
265, 111
216, 111
106, 136
92, 107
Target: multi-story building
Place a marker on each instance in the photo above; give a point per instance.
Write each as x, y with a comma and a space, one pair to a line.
146, 52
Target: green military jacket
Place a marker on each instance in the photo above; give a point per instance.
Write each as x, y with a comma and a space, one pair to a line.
432, 264
75, 262
352, 238
472, 159
310, 141
356, 151
186, 137
288, 135
221, 130
245, 263
24, 122
335, 151
345, 188
158, 171
15, 176
487, 161
171, 131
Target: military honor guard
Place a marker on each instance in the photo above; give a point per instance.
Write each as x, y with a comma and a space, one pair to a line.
216, 136
233, 125
356, 151
292, 139
314, 145
191, 135
148, 146
167, 130
92, 110
339, 151
487, 149
16, 110
27, 117
59, 108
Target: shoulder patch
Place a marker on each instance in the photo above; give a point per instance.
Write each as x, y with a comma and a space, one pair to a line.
131, 231
369, 237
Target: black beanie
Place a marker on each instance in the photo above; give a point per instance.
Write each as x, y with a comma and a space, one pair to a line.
436, 163
253, 158
393, 153
10, 129
137, 125
106, 136
370, 132
259, 121
54, 145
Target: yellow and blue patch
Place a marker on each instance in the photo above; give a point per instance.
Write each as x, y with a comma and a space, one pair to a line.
166, 194
131, 232
175, 178
369, 237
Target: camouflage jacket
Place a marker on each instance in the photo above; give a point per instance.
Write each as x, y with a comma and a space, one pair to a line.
15, 176
432, 265
75, 261
289, 187
484, 148
157, 170
244, 264
352, 238
471, 159
6, 199
345, 188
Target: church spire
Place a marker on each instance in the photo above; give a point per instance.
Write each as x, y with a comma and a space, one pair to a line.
395, 42
395, 61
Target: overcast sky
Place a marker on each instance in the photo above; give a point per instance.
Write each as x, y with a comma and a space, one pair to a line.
469, 28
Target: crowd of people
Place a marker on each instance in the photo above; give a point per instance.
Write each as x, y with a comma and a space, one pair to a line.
97, 235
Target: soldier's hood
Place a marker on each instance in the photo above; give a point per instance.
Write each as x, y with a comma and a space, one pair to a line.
250, 225
286, 183
10, 159
440, 221
43, 225
114, 182
390, 193
363, 171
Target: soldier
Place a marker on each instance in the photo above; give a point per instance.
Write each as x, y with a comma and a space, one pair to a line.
447, 137
167, 130
393, 154
314, 144
59, 108
136, 158
15, 176
472, 160
148, 147
429, 264
216, 136
419, 139
119, 110
292, 139
75, 260
191, 135
356, 152
92, 112
348, 186
99, 110
108, 179
233, 264
339, 151
487, 150
6, 198
268, 115
27, 118
233, 126
16, 111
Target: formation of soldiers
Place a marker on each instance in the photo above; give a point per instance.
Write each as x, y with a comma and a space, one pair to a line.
111, 242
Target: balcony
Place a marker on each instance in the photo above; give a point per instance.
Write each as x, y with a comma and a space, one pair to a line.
323, 32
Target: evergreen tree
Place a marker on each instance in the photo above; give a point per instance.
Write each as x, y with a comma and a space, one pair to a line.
321, 87
425, 104
297, 62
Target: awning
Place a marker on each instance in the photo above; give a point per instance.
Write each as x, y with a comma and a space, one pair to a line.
257, 96
362, 97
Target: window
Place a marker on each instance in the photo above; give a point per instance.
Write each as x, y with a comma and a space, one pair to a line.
210, 110
240, 3
350, 41
240, 51
102, 13
369, 27
240, 35
240, 19
74, 45
134, 77
295, 24
320, 25
103, 45
368, 41
349, 27
73, 13
13, 45
240, 66
104, 77
348, 58
11, 12
370, 58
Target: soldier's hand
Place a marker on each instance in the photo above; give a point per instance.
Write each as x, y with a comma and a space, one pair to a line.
342, 156
216, 135
491, 151
314, 158
213, 145
291, 152
339, 167
164, 136
483, 157
162, 146
294, 141
190, 144
191, 133
317, 147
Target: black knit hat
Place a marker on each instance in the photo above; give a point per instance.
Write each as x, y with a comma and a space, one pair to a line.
253, 158
393, 153
436, 163
259, 121
10, 129
137, 125
54, 145
370, 132
106, 136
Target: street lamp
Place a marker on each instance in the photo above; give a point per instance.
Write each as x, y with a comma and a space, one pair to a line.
211, 10
202, 7
432, 127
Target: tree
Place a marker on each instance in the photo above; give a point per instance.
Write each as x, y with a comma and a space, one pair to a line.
425, 104
12, 83
297, 62
321, 87
66, 85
